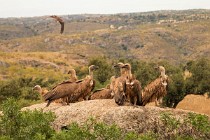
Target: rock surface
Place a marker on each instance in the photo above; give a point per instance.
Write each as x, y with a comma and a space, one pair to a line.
196, 103
139, 119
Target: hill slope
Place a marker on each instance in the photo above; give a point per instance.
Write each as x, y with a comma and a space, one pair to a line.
175, 36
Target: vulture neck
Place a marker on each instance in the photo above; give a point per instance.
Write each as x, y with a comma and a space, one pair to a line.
162, 73
39, 90
129, 73
73, 76
91, 73
123, 72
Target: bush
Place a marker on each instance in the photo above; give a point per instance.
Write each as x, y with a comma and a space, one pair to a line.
193, 126
105, 69
18, 124
199, 81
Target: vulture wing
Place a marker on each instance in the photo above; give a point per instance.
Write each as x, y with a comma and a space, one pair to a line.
99, 90
64, 82
150, 91
60, 21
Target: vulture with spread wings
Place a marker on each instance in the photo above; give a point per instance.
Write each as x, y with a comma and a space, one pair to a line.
60, 21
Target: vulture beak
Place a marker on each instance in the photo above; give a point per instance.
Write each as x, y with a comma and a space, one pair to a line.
156, 67
125, 66
34, 88
95, 67
115, 66
119, 65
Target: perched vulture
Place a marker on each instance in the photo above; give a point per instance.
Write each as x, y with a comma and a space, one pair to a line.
156, 90
72, 90
42, 92
90, 87
119, 86
60, 21
133, 87
104, 93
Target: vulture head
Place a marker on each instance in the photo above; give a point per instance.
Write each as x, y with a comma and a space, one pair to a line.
160, 68
119, 95
72, 72
163, 76
119, 65
37, 88
93, 67
127, 66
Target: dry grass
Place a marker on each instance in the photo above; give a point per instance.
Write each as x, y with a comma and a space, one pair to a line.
196, 103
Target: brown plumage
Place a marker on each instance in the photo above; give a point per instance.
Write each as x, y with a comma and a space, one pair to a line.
43, 91
133, 87
104, 93
156, 90
60, 21
119, 86
72, 90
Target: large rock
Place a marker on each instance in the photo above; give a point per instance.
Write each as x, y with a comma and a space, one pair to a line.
140, 119
196, 103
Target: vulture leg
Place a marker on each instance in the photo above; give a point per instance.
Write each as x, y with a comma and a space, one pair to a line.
135, 101
67, 101
48, 103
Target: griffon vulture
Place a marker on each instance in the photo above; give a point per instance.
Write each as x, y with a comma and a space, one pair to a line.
60, 21
42, 92
156, 90
104, 93
72, 90
133, 87
119, 86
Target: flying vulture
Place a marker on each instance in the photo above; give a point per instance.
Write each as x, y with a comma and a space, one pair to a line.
60, 21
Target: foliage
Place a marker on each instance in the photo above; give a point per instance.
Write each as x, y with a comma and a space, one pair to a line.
199, 122
105, 69
199, 81
21, 89
93, 130
193, 126
18, 124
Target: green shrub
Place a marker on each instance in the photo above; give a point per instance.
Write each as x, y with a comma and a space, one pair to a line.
193, 126
199, 122
171, 123
21, 125
199, 81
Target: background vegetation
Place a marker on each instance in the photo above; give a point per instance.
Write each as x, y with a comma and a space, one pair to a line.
180, 83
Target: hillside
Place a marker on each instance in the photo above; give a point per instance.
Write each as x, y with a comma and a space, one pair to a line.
175, 36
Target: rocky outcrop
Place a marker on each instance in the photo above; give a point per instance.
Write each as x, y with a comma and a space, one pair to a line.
196, 103
140, 119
